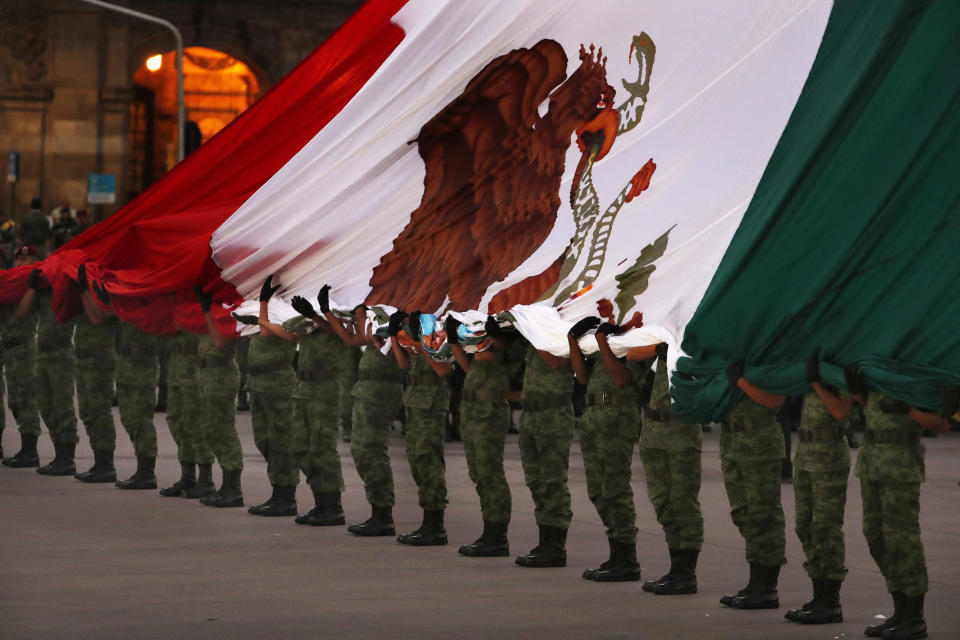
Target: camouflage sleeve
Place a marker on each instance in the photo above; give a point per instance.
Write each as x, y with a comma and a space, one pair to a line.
300, 326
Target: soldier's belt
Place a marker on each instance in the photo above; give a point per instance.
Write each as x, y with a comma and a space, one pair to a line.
820, 435
308, 375
546, 402
428, 378
129, 352
483, 395
658, 416
890, 437
372, 377
269, 367
101, 352
207, 362
598, 399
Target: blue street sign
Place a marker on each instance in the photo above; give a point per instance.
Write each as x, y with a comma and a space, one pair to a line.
101, 188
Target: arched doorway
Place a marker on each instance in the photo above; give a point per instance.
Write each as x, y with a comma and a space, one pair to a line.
217, 88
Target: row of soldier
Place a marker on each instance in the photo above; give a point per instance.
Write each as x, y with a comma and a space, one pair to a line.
295, 411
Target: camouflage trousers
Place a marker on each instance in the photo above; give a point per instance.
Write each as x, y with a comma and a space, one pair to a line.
545, 456
484, 432
21, 371
54, 390
369, 448
753, 490
820, 501
891, 524
345, 405
673, 485
94, 378
219, 407
272, 417
137, 403
607, 439
426, 431
187, 426
315, 440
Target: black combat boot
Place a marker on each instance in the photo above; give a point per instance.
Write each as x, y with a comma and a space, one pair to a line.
143, 478
285, 504
380, 523
876, 630
331, 513
187, 481
430, 534
102, 469
729, 598
588, 574
623, 565
319, 501
27, 456
230, 493
682, 578
650, 584
492, 543
911, 625
793, 614
826, 604
764, 593
204, 485
257, 509
551, 552
62, 463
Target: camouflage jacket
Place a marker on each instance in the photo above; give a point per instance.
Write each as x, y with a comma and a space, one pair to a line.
547, 397
425, 389
270, 365
217, 366
51, 335
751, 432
96, 342
660, 429
137, 363
822, 444
182, 367
379, 380
887, 460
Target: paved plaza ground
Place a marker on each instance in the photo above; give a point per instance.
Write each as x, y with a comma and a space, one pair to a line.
95, 562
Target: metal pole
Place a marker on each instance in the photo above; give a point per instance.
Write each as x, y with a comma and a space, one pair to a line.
181, 112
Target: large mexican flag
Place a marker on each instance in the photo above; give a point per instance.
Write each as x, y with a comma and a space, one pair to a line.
755, 178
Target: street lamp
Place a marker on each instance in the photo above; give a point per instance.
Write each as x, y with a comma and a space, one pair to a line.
181, 114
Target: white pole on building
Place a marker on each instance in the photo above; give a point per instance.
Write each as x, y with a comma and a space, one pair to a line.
181, 111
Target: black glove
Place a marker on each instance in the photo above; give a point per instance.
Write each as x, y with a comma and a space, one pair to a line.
205, 299
582, 326
813, 366
267, 290
450, 326
662, 350
82, 277
735, 372
101, 292
245, 319
610, 329
950, 401
35, 276
302, 306
854, 378
396, 321
492, 327
413, 325
324, 298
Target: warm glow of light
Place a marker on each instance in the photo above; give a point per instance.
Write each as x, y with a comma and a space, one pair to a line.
155, 62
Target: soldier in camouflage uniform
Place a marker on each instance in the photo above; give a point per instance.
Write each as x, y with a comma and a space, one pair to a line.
891, 469
316, 398
185, 419
272, 382
546, 433
218, 379
137, 393
821, 469
376, 400
484, 422
751, 458
19, 338
670, 450
611, 426
55, 380
95, 346
425, 400
348, 377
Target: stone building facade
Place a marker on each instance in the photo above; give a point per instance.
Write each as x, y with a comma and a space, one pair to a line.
67, 71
